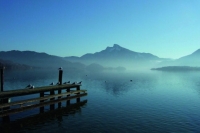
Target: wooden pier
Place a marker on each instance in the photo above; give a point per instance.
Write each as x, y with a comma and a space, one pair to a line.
57, 94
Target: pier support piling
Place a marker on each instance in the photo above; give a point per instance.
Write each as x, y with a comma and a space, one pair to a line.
68, 101
41, 101
78, 99
52, 106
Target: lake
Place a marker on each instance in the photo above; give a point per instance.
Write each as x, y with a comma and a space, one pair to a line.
153, 101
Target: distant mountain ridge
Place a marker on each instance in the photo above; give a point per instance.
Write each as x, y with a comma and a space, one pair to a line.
10, 65
117, 56
37, 59
29, 59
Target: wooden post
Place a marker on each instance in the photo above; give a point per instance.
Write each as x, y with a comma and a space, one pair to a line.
52, 106
2, 70
78, 99
59, 103
60, 81
68, 101
41, 101
5, 100
60, 76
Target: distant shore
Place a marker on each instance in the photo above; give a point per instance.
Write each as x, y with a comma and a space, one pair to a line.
177, 68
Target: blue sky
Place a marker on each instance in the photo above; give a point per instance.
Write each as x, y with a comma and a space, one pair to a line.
166, 28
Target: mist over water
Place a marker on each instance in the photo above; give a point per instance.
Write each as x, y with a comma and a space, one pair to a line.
129, 101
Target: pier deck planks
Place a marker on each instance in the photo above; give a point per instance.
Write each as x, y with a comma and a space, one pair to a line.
26, 91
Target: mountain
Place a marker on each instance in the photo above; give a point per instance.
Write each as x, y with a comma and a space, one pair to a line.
192, 60
36, 59
118, 56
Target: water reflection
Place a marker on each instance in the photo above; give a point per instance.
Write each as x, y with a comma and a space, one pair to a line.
41, 119
117, 88
122, 83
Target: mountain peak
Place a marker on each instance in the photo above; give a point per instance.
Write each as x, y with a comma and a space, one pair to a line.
116, 45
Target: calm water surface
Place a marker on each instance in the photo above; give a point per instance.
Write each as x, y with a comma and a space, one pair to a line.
153, 102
